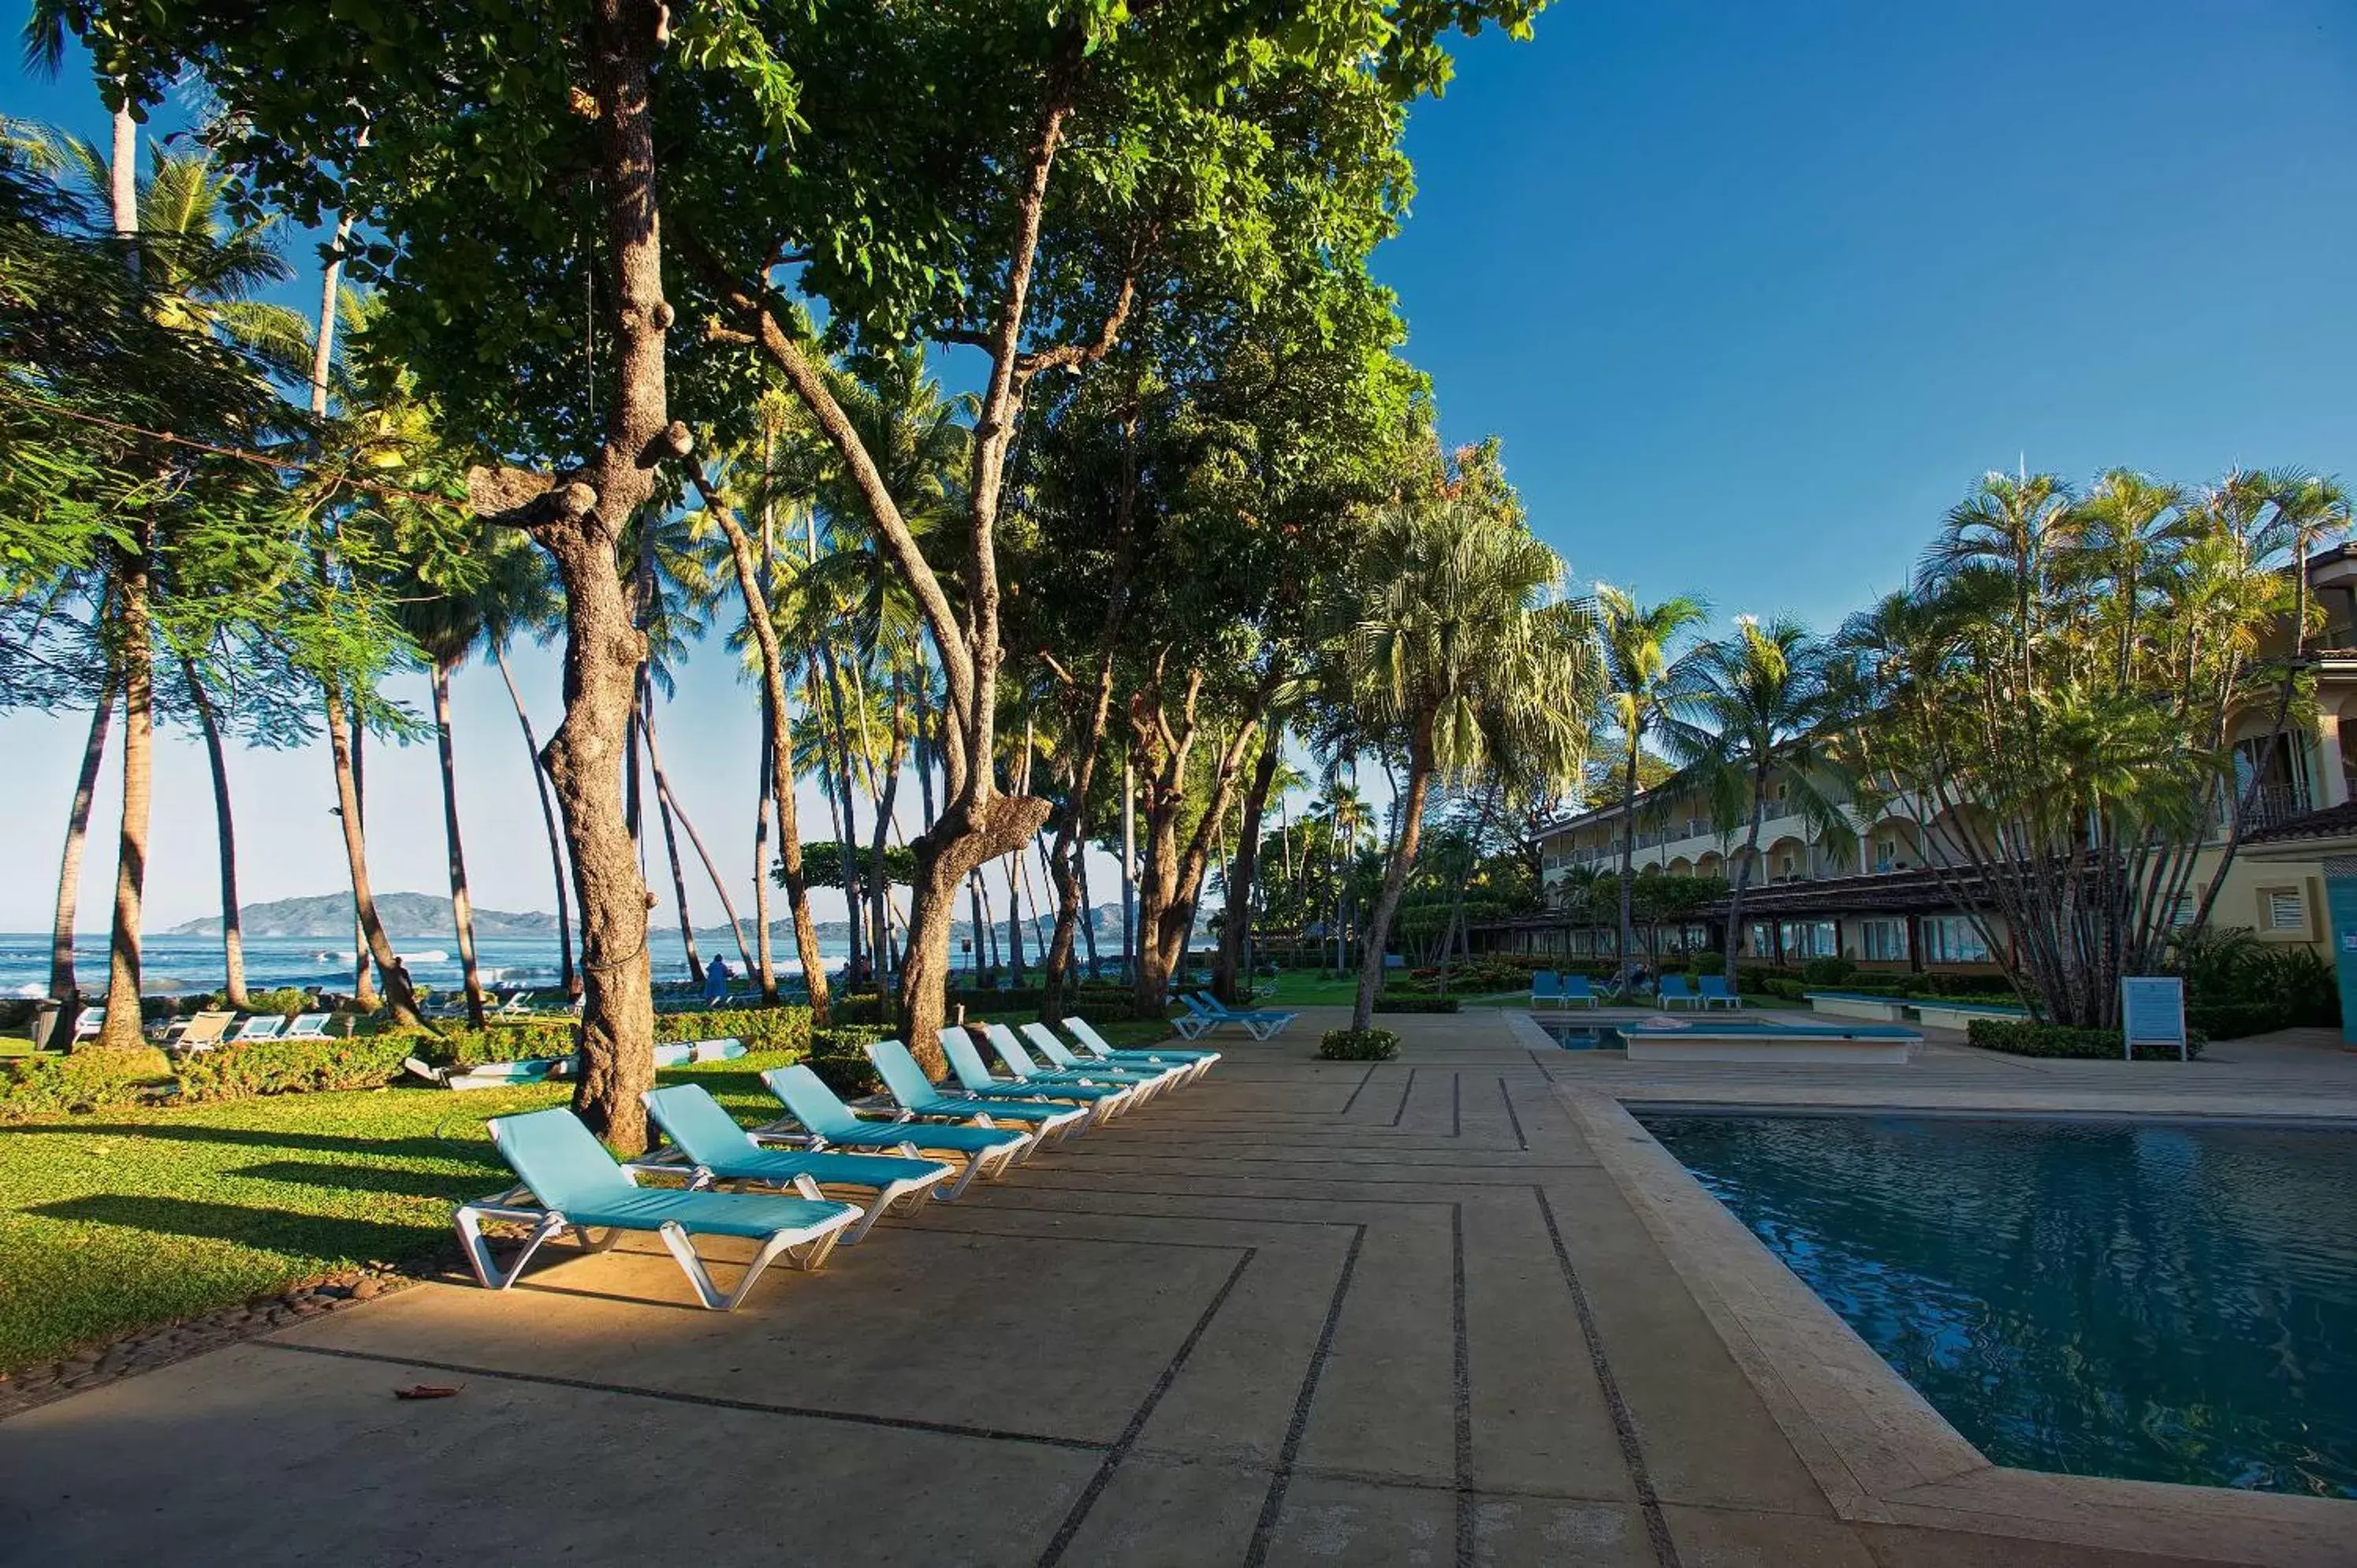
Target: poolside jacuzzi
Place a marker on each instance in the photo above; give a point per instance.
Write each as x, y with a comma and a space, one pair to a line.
2170, 1301
1582, 1036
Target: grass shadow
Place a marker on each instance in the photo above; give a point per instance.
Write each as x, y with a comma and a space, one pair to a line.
454, 1186
266, 1229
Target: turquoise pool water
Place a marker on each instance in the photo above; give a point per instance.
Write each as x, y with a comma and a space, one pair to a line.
2165, 1301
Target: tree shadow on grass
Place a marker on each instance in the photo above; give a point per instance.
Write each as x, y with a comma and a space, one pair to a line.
455, 1187
254, 1138
267, 1230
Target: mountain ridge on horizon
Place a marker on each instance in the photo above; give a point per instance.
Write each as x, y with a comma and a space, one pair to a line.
407, 915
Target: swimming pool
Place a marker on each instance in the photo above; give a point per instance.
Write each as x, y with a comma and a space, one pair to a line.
1583, 1036
2152, 1301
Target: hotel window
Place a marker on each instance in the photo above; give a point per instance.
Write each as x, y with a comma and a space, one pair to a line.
1809, 939
1885, 853
1952, 939
2283, 909
1785, 864
1882, 941
1763, 941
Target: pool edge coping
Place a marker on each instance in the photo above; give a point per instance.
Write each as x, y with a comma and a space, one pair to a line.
1876, 1447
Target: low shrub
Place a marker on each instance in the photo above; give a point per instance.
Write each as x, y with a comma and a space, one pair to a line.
288, 1066
285, 1001
87, 1080
2238, 1020
1357, 1045
1829, 970
1707, 963
761, 1029
1394, 1002
455, 1045
838, 1055
2029, 1038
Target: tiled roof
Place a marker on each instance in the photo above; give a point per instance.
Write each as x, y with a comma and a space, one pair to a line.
2329, 822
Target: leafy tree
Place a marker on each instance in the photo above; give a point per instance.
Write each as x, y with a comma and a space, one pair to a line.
1653, 687
1763, 702
1456, 636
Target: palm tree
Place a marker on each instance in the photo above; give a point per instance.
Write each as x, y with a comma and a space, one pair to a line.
1651, 688
2125, 524
199, 272
1764, 698
2022, 527
1458, 642
511, 587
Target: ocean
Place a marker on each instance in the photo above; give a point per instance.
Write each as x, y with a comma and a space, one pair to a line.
173, 965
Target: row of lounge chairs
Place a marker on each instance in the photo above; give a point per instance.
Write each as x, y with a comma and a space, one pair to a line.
202, 1031
767, 1184
1206, 1013
1549, 989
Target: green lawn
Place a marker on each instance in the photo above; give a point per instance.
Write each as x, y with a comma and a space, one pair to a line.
124, 1220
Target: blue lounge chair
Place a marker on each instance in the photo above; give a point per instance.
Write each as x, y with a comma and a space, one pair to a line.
715, 1149
1674, 989
918, 1095
1156, 1076
1024, 1069
260, 1027
1261, 1024
829, 1123
1716, 992
1577, 991
1103, 1101
568, 1182
307, 1026
1547, 989
1094, 1044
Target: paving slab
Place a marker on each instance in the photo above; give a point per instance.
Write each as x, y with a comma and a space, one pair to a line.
1298, 1313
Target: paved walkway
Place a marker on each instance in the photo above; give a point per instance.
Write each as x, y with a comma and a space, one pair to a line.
1300, 1313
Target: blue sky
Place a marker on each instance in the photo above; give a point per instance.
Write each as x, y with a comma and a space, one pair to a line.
1752, 292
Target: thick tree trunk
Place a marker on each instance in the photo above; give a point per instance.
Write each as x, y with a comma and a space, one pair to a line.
1402, 860
62, 985
839, 734
123, 1028
399, 1000
462, 905
225, 839
571, 982
1742, 879
1235, 937
578, 518
364, 993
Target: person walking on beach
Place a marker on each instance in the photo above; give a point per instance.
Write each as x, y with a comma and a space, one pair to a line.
716, 980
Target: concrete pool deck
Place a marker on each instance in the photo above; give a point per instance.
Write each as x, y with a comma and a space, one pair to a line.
1447, 1310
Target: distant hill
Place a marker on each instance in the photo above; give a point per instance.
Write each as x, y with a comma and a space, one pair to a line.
404, 914
407, 914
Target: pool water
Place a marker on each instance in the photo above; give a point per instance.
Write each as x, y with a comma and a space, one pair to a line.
2153, 1301
1586, 1036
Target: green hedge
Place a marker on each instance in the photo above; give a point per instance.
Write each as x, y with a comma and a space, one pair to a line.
34, 1087
289, 1067
1357, 1045
838, 1055
2239, 1020
2030, 1038
1392, 1002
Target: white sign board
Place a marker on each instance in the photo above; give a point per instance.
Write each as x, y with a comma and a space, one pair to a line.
2152, 1012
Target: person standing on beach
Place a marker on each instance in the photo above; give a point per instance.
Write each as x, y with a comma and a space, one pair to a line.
715, 979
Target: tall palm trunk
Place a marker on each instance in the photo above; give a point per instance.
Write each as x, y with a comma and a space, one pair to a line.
766, 975
1743, 872
399, 1000
365, 994
572, 982
1409, 839
62, 985
1628, 867
225, 833
1232, 977
135, 653
462, 905
645, 729
672, 810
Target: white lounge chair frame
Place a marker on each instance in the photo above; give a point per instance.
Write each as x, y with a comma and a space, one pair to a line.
805, 1250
